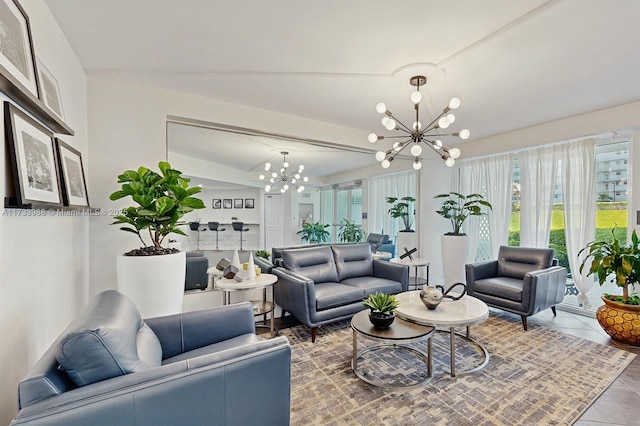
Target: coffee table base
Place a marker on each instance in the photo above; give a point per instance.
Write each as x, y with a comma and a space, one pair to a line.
424, 358
452, 344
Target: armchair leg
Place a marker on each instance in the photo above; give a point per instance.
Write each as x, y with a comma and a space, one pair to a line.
524, 322
283, 313
553, 309
314, 334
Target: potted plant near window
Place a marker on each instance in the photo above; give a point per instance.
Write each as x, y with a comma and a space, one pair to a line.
455, 244
153, 276
314, 233
620, 263
382, 308
350, 232
403, 208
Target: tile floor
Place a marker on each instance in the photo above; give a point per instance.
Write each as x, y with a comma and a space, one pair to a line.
620, 404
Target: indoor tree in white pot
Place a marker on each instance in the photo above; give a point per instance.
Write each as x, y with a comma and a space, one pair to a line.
152, 275
403, 208
455, 245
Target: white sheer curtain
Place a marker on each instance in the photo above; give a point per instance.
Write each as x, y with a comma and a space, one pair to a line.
499, 190
472, 181
493, 178
395, 185
538, 173
578, 161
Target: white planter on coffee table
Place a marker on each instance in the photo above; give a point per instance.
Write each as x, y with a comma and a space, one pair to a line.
155, 284
454, 256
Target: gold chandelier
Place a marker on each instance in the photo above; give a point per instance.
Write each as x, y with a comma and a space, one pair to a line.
284, 178
418, 134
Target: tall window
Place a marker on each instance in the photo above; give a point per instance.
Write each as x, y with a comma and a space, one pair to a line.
341, 203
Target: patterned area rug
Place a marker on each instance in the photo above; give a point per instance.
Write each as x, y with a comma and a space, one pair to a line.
537, 377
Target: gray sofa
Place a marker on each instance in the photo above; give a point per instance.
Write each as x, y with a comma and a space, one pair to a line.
322, 284
522, 280
109, 367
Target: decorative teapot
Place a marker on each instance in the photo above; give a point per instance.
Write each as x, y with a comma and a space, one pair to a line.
433, 295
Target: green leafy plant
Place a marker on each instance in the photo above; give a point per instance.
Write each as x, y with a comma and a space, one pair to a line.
619, 261
402, 208
162, 200
350, 232
381, 303
263, 254
314, 232
457, 208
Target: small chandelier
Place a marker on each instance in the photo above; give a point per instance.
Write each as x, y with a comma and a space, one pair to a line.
418, 133
283, 178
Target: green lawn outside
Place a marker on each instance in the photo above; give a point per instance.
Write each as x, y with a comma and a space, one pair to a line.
605, 219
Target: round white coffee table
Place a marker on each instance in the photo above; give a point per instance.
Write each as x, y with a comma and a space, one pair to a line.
465, 312
260, 307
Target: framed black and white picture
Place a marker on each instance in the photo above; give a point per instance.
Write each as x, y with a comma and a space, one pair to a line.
226, 203
216, 203
33, 157
248, 203
237, 203
17, 60
74, 186
49, 90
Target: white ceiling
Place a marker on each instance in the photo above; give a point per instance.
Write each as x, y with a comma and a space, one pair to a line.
513, 64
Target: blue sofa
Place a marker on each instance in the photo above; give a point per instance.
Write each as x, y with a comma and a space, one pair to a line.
109, 367
322, 284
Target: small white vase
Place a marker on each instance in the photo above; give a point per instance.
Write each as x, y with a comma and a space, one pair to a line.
235, 260
155, 284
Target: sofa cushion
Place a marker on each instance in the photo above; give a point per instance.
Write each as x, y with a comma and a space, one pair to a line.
353, 260
106, 340
331, 295
372, 284
315, 263
515, 262
502, 287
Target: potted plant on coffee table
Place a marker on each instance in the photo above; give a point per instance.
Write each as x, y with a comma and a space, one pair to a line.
620, 264
382, 308
152, 275
457, 208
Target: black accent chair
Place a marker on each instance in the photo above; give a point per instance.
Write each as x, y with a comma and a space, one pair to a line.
215, 227
523, 280
239, 226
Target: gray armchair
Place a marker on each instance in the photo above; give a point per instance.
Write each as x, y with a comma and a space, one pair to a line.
523, 280
109, 367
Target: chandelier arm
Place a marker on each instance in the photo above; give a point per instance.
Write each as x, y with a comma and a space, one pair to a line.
428, 128
407, 129
404, 144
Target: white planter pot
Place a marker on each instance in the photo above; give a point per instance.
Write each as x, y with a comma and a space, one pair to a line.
454, 256
408, 240
155, 284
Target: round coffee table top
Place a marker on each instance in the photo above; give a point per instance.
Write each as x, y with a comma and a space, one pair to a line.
399, 330
464, 312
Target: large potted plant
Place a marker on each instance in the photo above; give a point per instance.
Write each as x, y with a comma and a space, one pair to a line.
620, 264
350, 232
152, 275
457, 208
403, 209
314, 233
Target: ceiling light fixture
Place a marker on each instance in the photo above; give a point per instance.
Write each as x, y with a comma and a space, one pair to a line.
283, 178
417, 133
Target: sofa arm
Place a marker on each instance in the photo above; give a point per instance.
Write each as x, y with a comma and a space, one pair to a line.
543, 288
191, 330
294, 293
172, 394
392, 271
265, 265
